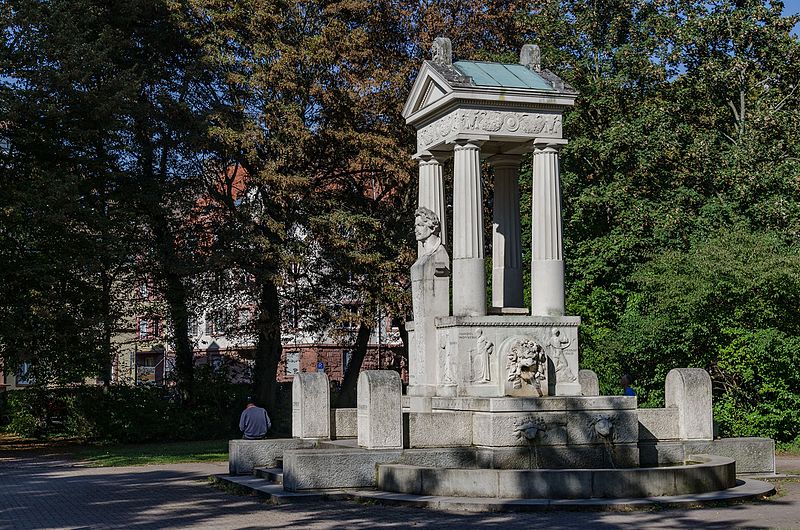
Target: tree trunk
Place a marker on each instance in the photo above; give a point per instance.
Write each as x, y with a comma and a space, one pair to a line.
108, 329
347, 396
268, 347
184, 354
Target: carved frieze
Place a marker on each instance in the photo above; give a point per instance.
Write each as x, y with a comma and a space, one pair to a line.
506, 123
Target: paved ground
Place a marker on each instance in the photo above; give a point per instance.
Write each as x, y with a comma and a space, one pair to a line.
49, 492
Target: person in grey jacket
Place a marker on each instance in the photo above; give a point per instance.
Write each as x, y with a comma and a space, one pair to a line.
254, 421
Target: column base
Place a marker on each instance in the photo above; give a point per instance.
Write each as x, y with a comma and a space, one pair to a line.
547, 287
469, 287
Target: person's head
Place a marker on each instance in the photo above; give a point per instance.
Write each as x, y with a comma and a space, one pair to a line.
251, 400
626, 380
426, 222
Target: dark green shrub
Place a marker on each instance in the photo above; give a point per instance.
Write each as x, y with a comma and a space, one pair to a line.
129, 413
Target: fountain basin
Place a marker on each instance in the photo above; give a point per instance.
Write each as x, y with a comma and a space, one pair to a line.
700, 474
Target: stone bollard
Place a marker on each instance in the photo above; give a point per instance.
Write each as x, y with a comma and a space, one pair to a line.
311, 406
590, 386
689, 391
380, 416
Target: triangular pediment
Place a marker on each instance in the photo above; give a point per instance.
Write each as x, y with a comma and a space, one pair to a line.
429, 88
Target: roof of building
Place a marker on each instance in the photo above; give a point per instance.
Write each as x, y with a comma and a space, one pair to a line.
501, 75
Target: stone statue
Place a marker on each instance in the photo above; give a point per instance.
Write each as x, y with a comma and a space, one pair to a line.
484, 351
557, 345
447, 366
430, 296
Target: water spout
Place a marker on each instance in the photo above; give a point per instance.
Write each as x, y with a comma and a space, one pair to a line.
528, 429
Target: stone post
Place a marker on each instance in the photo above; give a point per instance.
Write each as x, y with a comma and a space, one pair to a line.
380, 413
311, 406
547, 264
506, 250
689, 390
431, 191
469, 276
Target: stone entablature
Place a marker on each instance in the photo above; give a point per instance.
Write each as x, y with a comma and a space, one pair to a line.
489, 125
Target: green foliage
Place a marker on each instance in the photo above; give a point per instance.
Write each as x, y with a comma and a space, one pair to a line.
128, 414
726, 304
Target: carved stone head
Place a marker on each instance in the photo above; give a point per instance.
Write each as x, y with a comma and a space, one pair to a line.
426, 224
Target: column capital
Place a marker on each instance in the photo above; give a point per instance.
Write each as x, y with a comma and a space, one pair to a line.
540, 144
428, 156
467, 143
504, 160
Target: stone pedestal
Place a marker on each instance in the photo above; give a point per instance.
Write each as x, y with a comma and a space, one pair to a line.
430, 295
506, 250
469, 276
380, 417
311, 405
547, 264
478, 354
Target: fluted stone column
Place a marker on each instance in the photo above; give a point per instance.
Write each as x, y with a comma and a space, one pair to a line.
547, 263
469, 277
431, 192
506, 250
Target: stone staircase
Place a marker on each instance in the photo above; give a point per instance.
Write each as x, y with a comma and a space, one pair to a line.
267, 483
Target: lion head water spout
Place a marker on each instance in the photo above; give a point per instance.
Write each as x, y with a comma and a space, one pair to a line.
528, 429
604, 431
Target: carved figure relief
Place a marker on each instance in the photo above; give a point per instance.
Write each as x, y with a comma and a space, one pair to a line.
481, 360
526, 364
557, 344
447, 365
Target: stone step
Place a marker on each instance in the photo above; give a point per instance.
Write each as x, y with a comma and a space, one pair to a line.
270, 474
275, 492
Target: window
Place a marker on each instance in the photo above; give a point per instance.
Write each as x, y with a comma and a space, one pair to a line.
143, 290
292, 362
216, 322
147, 328
194, 326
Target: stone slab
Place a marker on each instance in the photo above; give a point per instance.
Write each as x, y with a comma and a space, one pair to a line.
549, 403
689, 390
246, 455
658, 424
344, 423
333, 468
559, 457
704, 474
311, 405
439, 429
590, 386
380, 414
494, 429
744, 490
752, 455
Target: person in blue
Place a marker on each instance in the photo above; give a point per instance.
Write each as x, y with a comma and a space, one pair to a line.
625, 382
254, 421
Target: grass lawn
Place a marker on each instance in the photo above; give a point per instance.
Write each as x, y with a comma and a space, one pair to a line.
151, 453
120, 455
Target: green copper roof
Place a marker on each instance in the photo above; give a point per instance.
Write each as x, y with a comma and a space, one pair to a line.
502, 75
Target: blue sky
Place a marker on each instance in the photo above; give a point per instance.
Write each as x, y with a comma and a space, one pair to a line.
792, 7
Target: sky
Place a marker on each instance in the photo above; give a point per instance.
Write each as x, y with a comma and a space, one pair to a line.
792, 7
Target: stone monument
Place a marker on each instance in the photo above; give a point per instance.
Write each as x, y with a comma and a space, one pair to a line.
496, 404
475, 112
